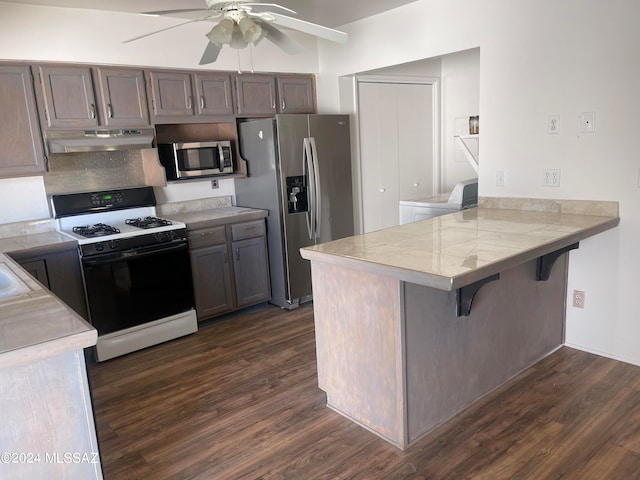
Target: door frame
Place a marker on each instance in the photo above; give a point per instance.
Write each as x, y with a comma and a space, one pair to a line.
437, 119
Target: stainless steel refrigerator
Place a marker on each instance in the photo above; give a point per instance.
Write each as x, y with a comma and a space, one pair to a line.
299, 168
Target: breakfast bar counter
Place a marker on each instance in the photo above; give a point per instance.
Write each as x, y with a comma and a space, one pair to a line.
416, 322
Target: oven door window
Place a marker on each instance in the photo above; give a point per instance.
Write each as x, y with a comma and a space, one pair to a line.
124, 292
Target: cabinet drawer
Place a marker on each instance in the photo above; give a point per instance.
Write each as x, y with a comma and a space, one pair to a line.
206, 236
241, 231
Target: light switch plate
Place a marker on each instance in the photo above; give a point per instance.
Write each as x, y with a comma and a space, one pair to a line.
587, 122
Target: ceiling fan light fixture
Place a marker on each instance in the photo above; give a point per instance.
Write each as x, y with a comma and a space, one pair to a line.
251, 31
222, 33
237, 40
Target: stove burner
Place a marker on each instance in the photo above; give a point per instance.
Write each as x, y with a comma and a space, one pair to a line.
147, 222
97, 230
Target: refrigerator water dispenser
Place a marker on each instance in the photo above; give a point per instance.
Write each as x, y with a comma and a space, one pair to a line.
297, 194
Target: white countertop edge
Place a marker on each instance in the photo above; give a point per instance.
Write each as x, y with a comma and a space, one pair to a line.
51, 348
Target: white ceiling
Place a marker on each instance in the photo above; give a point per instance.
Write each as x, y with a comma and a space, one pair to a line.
330, 13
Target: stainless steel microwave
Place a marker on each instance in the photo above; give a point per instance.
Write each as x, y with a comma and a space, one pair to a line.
195, 159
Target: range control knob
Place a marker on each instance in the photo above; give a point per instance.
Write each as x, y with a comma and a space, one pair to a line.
113, 244
99, 247
162, 237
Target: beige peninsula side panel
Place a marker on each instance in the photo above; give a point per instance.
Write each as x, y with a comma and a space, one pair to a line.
453, 361
359, 330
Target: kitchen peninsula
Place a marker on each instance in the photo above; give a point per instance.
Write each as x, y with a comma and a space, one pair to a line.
47, 421
416, 322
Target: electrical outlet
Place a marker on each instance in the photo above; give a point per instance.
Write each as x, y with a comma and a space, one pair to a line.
214, 184
554, 124
578, 298
500, 178
551, 177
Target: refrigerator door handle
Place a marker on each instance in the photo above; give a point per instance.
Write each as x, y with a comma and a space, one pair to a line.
308, 173
317, 191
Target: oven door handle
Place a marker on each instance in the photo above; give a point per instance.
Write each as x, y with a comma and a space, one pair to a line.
104, 258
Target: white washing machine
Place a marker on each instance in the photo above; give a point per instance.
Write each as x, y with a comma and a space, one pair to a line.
464, 195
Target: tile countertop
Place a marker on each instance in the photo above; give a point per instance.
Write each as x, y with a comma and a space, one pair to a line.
217, 216
35, 324
47, 241
458, 249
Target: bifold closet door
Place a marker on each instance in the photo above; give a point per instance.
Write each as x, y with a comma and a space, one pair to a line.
396, 148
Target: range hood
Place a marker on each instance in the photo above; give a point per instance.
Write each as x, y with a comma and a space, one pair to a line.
99, 140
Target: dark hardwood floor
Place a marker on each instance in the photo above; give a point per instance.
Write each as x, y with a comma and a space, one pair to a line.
239, 400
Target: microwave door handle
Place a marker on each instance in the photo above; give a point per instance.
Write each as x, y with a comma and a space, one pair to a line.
220, 158
307, 171
317, 191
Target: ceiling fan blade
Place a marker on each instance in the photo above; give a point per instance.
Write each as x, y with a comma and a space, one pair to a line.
272, 5
210, 54
279, 39
187, 13
163, 29
182, 10
310, 28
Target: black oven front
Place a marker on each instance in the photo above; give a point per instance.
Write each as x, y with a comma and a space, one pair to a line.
136, 286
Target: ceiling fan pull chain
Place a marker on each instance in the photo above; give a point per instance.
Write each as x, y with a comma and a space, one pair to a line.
251, 56
238, 53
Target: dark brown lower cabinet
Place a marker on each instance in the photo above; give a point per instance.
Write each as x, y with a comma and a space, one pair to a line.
230, 267
58, 271
251, 271
211, 281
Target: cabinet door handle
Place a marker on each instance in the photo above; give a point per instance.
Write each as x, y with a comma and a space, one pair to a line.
238, 254
416, 184
225, 257
189, 101
382, 190
109, 110
273, 103
92, 110
284, 105
202, 102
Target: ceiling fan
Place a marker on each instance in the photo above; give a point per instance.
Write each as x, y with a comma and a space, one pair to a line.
244, 22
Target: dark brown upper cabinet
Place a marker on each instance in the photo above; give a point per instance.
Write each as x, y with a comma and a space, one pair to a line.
123, 99
67, 98
22, 151
171, 95
296, 94
214, 94
262, 94
189, 97
256, 94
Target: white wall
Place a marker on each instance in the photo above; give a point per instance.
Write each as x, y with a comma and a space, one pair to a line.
460, 75
34, 33
22, 199
539, 59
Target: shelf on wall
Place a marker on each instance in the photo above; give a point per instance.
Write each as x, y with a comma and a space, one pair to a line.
474, 160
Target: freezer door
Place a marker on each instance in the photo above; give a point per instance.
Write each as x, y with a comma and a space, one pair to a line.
261, 189
331, 139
